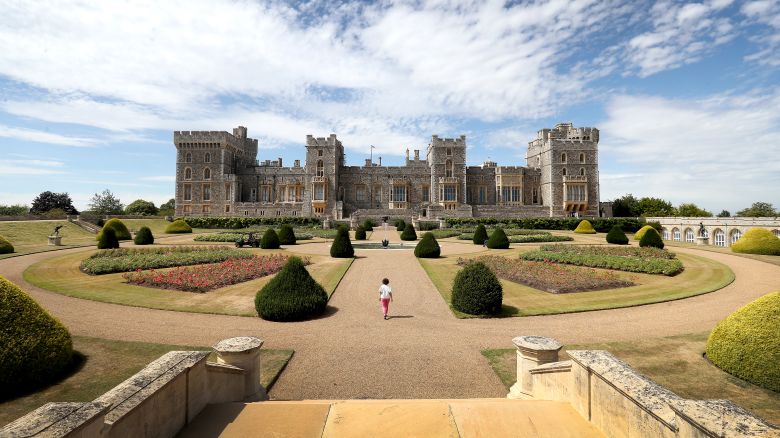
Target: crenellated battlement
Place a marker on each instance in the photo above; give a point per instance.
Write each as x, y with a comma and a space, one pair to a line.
331, 140
237, 140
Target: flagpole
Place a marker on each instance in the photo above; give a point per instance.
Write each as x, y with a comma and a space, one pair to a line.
372, 155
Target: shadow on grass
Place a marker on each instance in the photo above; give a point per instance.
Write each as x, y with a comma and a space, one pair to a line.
77, 362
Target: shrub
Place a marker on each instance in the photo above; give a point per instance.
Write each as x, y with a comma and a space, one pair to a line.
120, 230
368, 225
600, 224
179, 226
651, 239
400, 225
36, 347
131, 259
342, 247
5, 246
539, 238
480, 235
584, 227
409, 233
235, 222
286, 235
144, 236
617, 236
427, 247
649, 265
476, 290
108, 239
270, 240
427, 225
498, 239
746, 344
642, 231
292, 295
360, 233
757, 241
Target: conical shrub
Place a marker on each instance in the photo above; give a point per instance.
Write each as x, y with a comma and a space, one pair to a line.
757, 241
341, 246
400, 225
5, 246
144, 236
617, 236
498, 239
585, 227
427, 247
108, 239
36, 348
270, 240
360, 233
652, 239
292, 295
286, 235
477, 291
641, 232
179, 226
409, 233
368, 225
120, 229
480, 235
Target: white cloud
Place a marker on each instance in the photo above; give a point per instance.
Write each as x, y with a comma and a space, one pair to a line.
766, 13
45, 137
31, 167
159, 178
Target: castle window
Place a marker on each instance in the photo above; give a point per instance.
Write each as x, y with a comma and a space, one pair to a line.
206, 209
664, 233
448, 168
207, 159
449, 151
206, 192
582, 171
188, 158
563, 157
246, 212
227, 209
399, 194
426, 194
319, 192
253, 195
265, 194
676, 234
582, 158
187, 173
720, 238
689, 237
319, 152
320, 168
563, 172
187, 209
360, 194
482, 195
735, 235
207, 173
298, 193
449, 193
227, 192
535, 196
187, 192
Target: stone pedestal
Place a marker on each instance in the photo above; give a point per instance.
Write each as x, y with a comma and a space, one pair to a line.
326, 224
442, 224
702, 240
55, 240
244, 352
532, 351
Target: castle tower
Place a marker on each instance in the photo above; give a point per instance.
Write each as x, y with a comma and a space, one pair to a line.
447, 160
324, 157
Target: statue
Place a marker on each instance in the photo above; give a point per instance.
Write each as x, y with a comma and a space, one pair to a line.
701, 229
57, 230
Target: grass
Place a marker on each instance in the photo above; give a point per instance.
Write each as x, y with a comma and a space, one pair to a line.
701, 275
29, 237
106, 363
775, 260
681, 368
62, 275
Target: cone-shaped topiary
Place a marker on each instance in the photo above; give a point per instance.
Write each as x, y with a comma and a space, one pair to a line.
477, 291
427, 247
409, 233
108, 239
747, 343
292, 295
498, 239
360, 233
179, 226
342, 247
5, 246
120, 230
286, 235
652, 238
641, 232
584, 227
480, 235
270, 240
36, 347
400, 225
368, 225
617, 236
144, 237
757, 241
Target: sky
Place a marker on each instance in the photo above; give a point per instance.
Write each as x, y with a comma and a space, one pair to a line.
686, 95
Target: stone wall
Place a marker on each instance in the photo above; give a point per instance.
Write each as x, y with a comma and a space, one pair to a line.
720, 231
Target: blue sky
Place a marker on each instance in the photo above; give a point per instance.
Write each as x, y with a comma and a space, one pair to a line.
686, 94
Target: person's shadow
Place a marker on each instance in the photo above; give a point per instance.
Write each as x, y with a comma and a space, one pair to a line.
399, 316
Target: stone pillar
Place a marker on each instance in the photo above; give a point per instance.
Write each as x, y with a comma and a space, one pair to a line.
442, 224
326, 223
532, 351
244, 352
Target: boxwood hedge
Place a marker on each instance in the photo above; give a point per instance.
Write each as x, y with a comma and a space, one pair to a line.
498, 239
409, 233
144, 236
5, 246
286, 235
477, 291
107, 239
585, 227
120, 229
757, 241
642, 231
341, 246
617, 236
427, 247
292, 295
235, 223
600, 224
270, 240
178, 226
480, 235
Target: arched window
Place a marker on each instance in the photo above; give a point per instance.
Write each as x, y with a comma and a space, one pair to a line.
582, 158
563, 157
564, 172
448, 168
735, 235
720, 238
320, 168
689, 237
208, 157
207, 173
665, 233
188, 158
582, 171
187, 173
676, 234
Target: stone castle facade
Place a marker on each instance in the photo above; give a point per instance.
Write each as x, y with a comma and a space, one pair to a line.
217, 174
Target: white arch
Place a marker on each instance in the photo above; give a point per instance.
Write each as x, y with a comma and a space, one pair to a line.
719, 237
690, 236
676, 234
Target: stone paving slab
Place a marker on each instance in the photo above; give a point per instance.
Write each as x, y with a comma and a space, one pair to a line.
239, 420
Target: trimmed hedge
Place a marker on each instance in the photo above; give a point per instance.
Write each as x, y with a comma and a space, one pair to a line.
642, 231
747, 343
584, 227
651, 238
108, 239
757, 241
341, 246
617, 236
400, 224
498, 239
130, 259
235, 223
480, 235
292, 295
286, 235
36, 348
270, 240
427, 247
179, 226
120, 229
368, 225
409, 233
539, 238
360, 233
649, 265
600, 224
5, 246
144, 236
477, 291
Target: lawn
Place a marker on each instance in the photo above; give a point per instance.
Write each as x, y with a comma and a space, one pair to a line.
701, 275
106, 363
775, 260
29, 237
62, 275
681, 368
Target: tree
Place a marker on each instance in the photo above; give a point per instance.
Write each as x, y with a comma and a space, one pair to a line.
758, 209
48, 200
692, 210
105, 203
167, 208
625, 206
654, 207
724, 213
141, 207
14, 210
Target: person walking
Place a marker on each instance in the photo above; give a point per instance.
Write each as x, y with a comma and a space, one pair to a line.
385, 295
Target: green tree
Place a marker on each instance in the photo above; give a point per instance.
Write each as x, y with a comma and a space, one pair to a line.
626, 206
724, 213
654, 207
758, 209
167, 208
48, 200
692, 210
141, 207
14, 210
105, 203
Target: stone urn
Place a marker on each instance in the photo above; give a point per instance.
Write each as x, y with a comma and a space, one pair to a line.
55, 240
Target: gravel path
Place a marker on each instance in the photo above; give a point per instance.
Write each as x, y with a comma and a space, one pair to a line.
422, 352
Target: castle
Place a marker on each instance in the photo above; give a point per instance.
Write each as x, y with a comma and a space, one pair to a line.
217, 174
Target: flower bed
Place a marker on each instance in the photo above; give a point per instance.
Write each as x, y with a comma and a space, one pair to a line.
622, 251
548, 276
648, 262
538, 238
204, 278
232, 237
131, 259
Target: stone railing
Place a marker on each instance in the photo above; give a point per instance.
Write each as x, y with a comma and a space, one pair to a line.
621, 402
157, 401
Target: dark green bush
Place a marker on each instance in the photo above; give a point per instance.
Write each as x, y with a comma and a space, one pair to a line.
286, 235
292, 295
235, 223
144, 236
427, 247
498, 239
747, 343
400, 225
120, 230
480, 235
585, 227
360, 233
5, 246
179, 226
342, 247
427, 225
270, 240
651, 238
108, 239
757, 241
409, 233
617, 236
538, 238
36, 348
477, 291
368, 225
